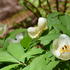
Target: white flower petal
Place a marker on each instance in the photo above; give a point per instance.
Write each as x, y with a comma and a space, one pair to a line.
63, 40
61, 47
42, 23
19, 37
33, 32
14, 41
56, 53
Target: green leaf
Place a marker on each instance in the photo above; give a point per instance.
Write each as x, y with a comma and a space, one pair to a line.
53, 19
45, 40
42, 63
52, 65
30, 53
26, 68
6, 57
15, 32
1, 43
16, 50
34, 42
9, 67
58, 23
53, 15
26, 42
60, 28
65, 20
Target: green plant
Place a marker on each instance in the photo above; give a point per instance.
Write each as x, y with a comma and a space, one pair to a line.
35, 54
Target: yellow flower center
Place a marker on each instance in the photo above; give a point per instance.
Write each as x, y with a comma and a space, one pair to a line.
65, 49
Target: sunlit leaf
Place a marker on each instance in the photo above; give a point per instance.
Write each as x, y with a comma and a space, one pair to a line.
6, 57
42, 63
45, 40
16, 50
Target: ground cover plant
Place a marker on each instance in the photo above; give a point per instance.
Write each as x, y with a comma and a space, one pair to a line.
40, 40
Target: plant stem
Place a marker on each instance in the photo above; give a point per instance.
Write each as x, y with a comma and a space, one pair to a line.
57, 5
39, 3
49, 6
65, 6
38, 13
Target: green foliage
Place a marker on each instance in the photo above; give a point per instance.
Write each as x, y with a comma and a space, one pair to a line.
15, 32
65, 20
6, 57
34, 54
26, 42
45, 40
16, 50
43, 62
1, 43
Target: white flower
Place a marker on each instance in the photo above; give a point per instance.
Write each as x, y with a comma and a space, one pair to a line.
42, 22
61, 47
18, 38
35, 32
